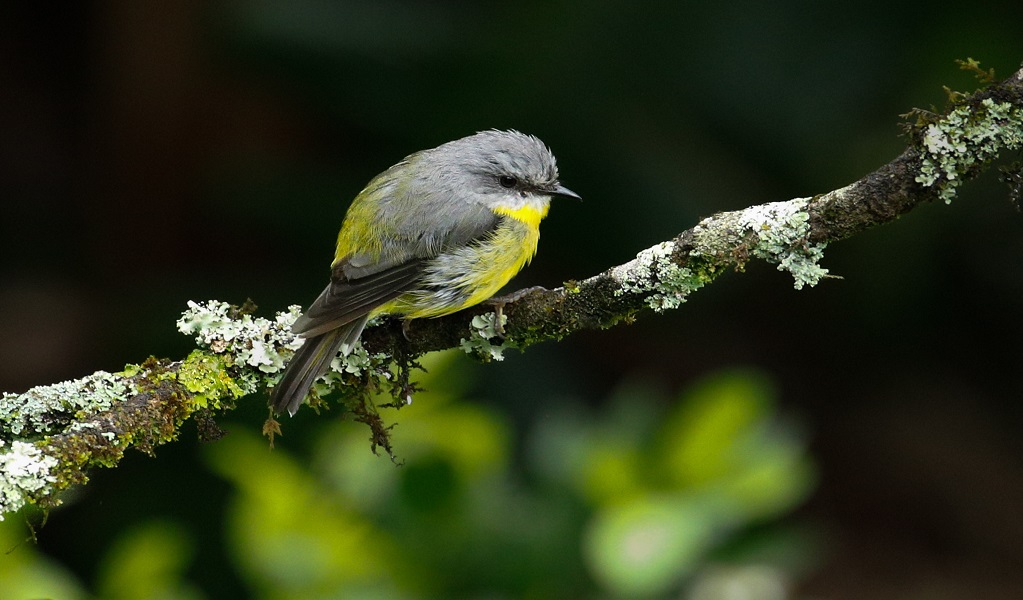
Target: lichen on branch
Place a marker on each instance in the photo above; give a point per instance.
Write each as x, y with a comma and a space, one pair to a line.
966, 138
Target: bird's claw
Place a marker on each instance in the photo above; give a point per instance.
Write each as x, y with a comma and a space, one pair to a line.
499, 303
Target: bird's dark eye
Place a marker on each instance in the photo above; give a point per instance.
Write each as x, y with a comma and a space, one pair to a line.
508, 181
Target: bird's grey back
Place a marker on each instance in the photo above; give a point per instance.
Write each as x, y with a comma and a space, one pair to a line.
442, 197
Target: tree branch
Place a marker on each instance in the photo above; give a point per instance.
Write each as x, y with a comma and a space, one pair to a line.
52, 435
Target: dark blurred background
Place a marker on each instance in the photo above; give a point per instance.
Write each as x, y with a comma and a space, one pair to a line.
158, 152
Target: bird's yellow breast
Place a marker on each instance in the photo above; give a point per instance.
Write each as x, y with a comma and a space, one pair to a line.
475, 272
510, 249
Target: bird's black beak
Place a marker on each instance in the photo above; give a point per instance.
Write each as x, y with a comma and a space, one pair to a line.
560, 190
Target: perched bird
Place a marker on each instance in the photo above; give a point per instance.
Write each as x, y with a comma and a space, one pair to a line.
442, 230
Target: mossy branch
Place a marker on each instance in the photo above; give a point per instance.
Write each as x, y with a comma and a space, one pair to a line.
52, 435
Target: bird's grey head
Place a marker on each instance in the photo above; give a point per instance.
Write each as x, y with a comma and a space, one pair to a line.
505, 168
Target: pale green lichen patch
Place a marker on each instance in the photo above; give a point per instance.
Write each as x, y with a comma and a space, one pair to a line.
654, 274
206, 376
355, 363
484, 329
24, 471
50, 408
246, 340
782, 230
966, 138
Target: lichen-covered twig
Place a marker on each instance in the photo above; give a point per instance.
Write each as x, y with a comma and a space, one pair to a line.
52, 435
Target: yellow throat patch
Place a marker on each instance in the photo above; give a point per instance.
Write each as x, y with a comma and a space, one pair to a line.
526, 214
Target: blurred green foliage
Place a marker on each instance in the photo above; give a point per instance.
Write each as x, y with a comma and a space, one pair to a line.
148, 561
26, 572
635, 500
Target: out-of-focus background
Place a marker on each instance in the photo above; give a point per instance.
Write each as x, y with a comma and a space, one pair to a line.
856, 440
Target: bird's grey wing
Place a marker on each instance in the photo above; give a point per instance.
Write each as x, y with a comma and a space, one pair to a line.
359, 284
344, 300
421, 225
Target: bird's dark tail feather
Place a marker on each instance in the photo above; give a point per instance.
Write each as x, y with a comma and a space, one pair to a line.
311, 361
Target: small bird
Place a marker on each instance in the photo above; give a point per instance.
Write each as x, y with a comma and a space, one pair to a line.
442, 230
